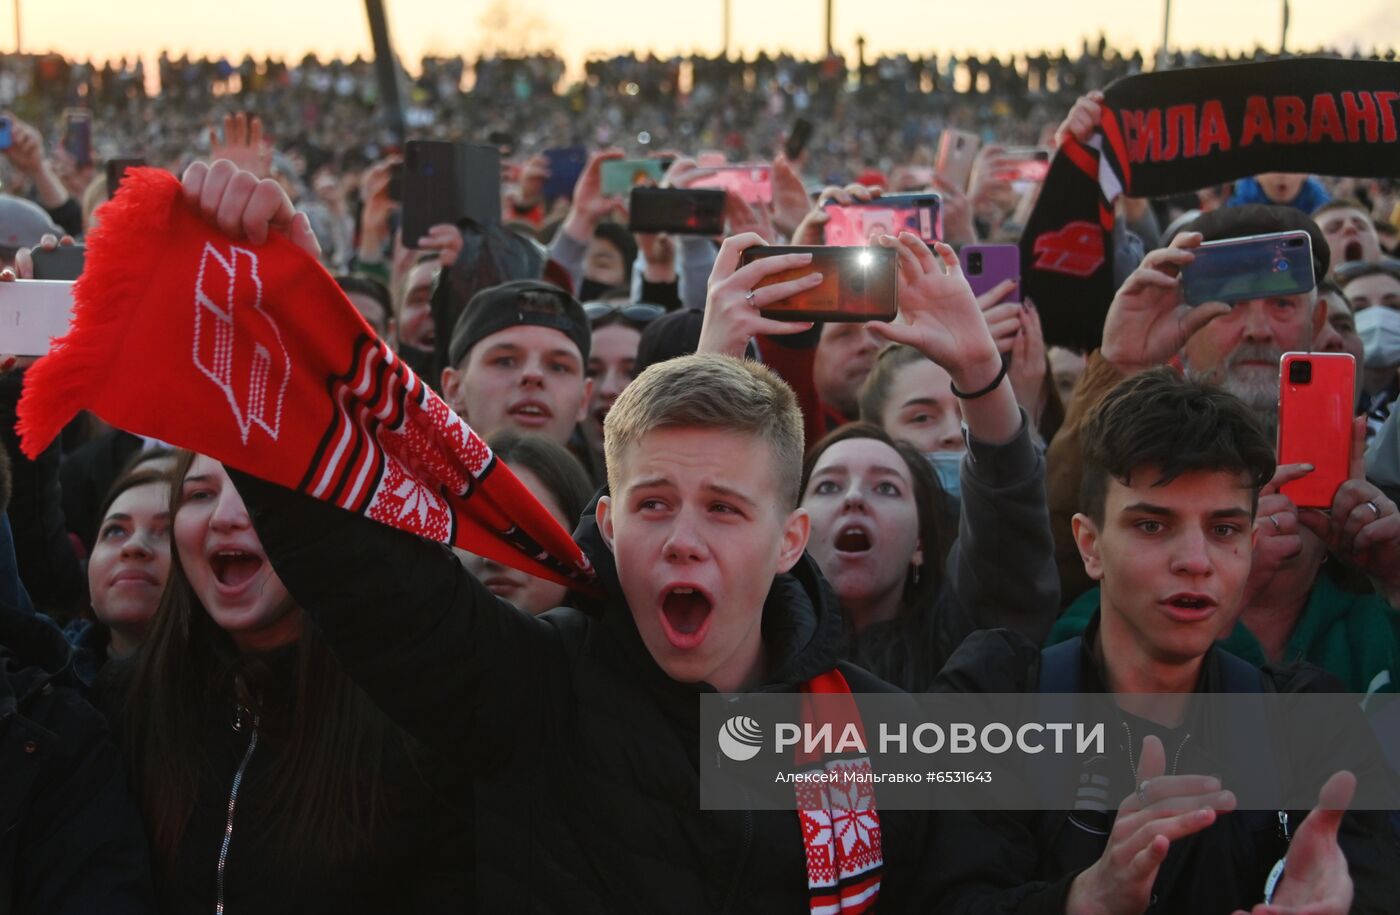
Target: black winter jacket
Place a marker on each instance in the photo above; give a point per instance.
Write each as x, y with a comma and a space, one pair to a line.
584, 751
1024, 862
71, 839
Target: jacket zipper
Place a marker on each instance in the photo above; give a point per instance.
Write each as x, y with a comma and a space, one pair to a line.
233, 802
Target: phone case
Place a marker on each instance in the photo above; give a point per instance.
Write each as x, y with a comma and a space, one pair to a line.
32, 312
62, 263
1256, 266
997, 263
858, 284
444, 182
1314, 423
679, 211
566, 164
957, 150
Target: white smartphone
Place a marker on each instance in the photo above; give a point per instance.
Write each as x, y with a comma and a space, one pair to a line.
32, 313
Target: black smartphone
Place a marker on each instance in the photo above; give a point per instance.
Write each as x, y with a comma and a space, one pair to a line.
395, 188
798, 138
858, 284
62, 263
446, 182
77, 135
116, 171
680, 211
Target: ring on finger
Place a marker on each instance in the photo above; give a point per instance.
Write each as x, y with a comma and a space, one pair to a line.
749, 296
1374, 507
1142, 791
1278, 528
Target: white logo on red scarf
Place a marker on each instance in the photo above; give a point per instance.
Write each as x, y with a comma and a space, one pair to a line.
237, 344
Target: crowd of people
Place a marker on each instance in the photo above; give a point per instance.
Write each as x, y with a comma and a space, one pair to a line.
219, 692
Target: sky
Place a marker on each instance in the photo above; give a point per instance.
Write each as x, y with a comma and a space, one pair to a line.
100, 29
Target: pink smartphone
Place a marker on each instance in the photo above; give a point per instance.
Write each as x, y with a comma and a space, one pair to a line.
957, 150
986, 265
1315, 408
751, 183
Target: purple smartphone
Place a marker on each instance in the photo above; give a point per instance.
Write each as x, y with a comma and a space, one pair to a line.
986, 265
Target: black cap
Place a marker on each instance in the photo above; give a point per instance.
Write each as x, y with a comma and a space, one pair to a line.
1260, 219
519, 302
669, 336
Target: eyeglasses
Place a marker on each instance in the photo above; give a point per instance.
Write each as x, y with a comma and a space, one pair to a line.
636, 312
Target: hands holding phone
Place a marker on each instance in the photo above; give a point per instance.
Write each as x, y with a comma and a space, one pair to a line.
943, 321
590, 204
733, 302
1147, 323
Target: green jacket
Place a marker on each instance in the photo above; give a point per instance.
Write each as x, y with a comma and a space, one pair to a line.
1355, 636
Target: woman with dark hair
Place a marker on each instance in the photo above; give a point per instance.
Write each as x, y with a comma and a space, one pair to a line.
910, 596
127, 570
558, 480
268, 781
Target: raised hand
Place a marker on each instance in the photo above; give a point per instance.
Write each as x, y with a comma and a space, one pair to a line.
1363, 525
790, 200
1147, 322
732, 303
1083, 119
590, 205
941, 316
243, 144
245, 207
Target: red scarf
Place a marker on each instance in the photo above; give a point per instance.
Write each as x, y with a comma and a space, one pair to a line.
251, 354
840, 825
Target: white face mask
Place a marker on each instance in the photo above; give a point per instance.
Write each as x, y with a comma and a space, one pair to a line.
1379, 329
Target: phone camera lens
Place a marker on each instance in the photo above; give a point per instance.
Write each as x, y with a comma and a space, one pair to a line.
974, 262
1300, 372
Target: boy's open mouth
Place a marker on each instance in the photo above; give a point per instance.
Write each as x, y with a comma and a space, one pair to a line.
685, 615
1352, 251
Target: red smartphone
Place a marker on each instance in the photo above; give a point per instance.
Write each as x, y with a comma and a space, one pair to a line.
986, 265
1315, 408
858, 284
750, 182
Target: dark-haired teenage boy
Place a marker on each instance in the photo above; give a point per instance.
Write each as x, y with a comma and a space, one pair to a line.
1173, 470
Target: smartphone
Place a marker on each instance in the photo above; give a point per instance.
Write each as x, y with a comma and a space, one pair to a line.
62, 263
116, 171
32, 313
621, 175
957, 150
1316, 396
1024, 166
446, 182
987, 265
858, 223
77, 135
6, 134
750, 182
1253, 267
797, 139
858, 284
395, 188
566, 165
678, 210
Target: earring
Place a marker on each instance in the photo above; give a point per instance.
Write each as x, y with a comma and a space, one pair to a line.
915, 580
